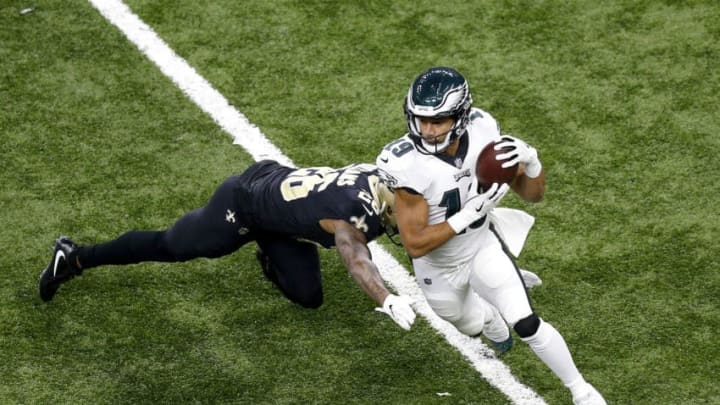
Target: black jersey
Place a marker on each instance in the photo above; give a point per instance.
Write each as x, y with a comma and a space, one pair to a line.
283, 200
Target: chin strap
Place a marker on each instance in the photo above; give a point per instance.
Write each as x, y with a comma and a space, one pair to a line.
391, 233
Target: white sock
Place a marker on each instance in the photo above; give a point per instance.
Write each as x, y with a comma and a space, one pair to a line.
550, 347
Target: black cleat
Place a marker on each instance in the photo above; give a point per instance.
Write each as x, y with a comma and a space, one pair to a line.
59, 270
502, 347
498, 333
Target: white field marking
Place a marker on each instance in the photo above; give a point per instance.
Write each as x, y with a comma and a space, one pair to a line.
189, 81
251, 139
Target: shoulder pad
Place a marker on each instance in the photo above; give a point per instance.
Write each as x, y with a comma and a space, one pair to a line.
483, 120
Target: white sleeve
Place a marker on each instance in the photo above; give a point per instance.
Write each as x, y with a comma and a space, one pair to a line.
402, 170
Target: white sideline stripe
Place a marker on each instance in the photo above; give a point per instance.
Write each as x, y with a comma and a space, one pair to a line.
251, 139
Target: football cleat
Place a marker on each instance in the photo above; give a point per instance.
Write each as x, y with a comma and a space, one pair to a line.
498, 333
590, 396
60, 270
502, 347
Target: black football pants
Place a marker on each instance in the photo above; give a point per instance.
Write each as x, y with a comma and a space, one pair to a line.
209, 232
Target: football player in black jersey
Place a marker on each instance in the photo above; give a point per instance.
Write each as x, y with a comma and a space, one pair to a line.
286, 211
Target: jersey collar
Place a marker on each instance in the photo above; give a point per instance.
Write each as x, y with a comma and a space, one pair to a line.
459, 158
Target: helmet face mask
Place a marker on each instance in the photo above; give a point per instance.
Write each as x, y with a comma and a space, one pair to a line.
386, 194
443, 129
436, 93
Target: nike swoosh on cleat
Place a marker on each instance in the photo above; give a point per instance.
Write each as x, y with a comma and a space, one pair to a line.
59, 255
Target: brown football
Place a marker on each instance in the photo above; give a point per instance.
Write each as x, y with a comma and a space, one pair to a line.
489, 170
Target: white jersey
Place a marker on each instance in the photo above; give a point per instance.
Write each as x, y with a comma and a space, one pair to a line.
445, 185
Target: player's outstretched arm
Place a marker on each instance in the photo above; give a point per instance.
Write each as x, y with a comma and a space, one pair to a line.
351, 245
352, 248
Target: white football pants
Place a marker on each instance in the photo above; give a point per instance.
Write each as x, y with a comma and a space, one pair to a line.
460, 294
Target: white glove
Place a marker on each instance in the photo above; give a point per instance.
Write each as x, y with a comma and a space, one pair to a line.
477, 207
519, 152
399, 309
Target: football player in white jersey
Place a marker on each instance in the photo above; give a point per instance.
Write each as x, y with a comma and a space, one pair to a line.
459, 259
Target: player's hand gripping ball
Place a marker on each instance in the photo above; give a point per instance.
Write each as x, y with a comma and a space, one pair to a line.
489, 170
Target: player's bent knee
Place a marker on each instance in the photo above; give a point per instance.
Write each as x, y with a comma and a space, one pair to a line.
470, 327
471, 323
313, 303
467, 325
449, 315
527, 326
310, 301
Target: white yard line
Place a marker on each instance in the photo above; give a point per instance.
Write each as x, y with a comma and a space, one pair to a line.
251, 139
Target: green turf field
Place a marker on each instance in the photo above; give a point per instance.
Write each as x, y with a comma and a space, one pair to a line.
621, 98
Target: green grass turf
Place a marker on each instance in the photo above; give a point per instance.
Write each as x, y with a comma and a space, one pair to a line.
619, 97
